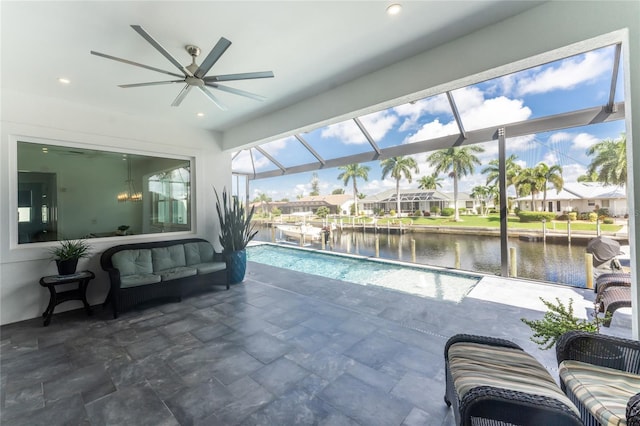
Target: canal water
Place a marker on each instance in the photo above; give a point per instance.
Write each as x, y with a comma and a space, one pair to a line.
560, 263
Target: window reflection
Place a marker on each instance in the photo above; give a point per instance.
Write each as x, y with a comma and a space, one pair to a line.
67, 192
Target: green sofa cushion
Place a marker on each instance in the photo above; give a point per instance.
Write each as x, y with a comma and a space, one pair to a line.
199, 252
205, 268
164, 258
138, 279
132, 262
604, 391
178, 272
473, 365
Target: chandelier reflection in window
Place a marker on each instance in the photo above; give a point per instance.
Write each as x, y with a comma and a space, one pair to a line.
130, 193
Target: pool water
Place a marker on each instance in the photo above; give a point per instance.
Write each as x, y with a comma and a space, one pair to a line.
426, 282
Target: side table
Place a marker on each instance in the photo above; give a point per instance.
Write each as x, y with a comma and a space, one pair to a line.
51, 281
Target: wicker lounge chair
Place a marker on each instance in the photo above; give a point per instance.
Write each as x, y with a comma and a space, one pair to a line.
601, 375
613, 292
494, 382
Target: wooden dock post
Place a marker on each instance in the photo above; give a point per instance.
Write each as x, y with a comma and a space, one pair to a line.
413, 250
273, 234
457, 256
569, 231
588, 263
513, 262
377, 246
544, 230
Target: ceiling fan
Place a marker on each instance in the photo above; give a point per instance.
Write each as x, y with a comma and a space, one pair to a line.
193, 75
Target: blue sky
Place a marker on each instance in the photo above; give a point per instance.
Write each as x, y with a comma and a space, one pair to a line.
574, 83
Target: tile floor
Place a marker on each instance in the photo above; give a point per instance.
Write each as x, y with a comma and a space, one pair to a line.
282, 348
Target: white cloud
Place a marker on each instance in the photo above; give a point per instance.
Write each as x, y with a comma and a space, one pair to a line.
347, 132
584, 141
560, 137
570, 172
570, 73
379, 123
550, 158
435, 105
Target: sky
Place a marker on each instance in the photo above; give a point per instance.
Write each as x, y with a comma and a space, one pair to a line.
574, 83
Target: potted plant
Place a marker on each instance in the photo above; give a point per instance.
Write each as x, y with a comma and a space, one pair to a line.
67, 253
236, 230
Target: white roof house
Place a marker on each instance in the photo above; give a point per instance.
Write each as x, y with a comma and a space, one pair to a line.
416, 199
581, 197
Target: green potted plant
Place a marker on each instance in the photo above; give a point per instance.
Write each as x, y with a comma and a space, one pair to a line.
236, 230
67, 253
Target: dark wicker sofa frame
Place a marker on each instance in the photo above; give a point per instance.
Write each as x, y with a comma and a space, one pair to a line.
606, 351
488, 405
122, 299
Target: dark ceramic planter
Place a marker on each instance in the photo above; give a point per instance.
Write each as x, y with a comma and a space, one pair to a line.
237, 265
67, 267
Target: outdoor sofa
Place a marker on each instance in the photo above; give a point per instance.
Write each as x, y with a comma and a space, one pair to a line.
154, 271
492, 381
601, 375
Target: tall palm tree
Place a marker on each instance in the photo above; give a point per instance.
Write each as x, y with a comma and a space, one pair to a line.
430, 182
610, 162
480, 194
263, 199
457, 162
548, 174
397, 167
512, 169
353, 172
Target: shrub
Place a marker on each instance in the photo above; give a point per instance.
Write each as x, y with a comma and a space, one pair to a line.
527, 216
417, 213
435, 210
603, 212
562, 217
583, 216
593, 216
392, 212
608, 221
573, 216
556, 321
323, 211
447, 211
276, 211
426, 213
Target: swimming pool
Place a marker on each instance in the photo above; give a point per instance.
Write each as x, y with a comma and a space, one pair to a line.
422, 281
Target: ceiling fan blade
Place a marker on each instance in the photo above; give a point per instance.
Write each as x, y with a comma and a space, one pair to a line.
152, 83
126, 61
183, 93
221, 46
212, 98
241, 76
161, 49
236, 91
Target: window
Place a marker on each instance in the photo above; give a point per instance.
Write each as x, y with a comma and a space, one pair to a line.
65, 192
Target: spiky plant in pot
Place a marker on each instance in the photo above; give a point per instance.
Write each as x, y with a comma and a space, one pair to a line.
236, 230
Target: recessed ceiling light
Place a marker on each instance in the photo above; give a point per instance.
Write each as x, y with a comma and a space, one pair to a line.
63, 80
200, 114
394, 9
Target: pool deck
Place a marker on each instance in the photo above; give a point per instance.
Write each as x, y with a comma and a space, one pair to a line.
281, 348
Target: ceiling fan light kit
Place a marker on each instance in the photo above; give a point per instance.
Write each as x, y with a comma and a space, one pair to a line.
193, 75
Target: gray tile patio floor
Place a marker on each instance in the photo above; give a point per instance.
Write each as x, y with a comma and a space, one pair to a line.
282, 348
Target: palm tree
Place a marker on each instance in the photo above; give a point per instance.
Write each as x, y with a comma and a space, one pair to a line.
548, 174
457, 162
262, 199
610, 162
512, 169
529, 182
397, 167
353, 172
480, 193
430, 182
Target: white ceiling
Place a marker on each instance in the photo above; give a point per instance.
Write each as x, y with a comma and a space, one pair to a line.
310, 46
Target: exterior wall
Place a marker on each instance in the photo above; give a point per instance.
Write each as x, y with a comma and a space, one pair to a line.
21, 266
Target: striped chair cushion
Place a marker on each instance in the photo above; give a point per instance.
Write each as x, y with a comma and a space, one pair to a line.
604, 391
474, 365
